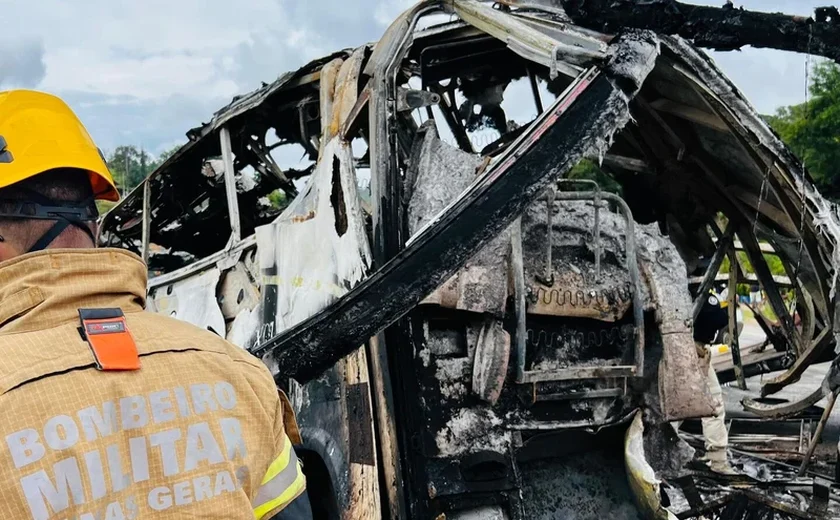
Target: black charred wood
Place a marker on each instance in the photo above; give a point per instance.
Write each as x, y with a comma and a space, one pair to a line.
720, 28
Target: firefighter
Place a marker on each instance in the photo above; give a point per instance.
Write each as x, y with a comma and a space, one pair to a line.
712, 318
109, 411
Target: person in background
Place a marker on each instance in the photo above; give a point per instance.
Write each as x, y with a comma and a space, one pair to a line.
712, 318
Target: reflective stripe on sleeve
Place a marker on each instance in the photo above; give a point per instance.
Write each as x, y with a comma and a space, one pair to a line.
283, 482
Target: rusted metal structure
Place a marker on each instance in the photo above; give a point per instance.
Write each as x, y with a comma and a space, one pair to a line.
467, 333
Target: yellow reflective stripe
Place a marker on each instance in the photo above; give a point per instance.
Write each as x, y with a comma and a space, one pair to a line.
280, 462
283, 482
285, 498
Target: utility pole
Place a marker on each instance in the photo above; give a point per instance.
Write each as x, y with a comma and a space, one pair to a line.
142, 163
125, 172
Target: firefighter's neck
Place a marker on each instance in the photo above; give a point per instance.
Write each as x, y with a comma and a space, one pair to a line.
15, 244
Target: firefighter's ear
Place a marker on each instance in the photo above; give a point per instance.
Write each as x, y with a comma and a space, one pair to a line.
8, 250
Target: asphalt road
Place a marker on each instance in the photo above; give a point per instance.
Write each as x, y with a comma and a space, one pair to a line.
810, 380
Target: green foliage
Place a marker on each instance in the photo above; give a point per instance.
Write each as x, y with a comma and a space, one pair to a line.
777, 268
279, 199
587, 169
104, 206
130, 165
812, 129
166, 154
775, 264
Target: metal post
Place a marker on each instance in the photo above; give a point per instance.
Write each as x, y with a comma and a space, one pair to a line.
518, 268
270, 291
734, 345
815, 440
837, 465
125, 172
723, 245
548, 273
535, 90
230, 185
765, 278
597, 233
147, 218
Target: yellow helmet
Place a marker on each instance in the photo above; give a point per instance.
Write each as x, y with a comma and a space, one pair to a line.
39, 132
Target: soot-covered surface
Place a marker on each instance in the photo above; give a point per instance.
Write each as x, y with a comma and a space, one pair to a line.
579, 486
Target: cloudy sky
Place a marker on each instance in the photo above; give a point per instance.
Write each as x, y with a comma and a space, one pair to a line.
144, 72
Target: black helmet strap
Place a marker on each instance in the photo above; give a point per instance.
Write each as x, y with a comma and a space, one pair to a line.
64, 214
56, 229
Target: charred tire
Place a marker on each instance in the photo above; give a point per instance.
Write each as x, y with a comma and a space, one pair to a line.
319, 486
323, 473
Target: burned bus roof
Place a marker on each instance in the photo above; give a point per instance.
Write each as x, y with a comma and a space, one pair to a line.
179, 189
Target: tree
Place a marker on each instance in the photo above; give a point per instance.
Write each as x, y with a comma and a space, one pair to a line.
166, 154
812, 129
129, 166
278, 199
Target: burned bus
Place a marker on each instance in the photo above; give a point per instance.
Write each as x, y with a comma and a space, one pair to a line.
472, 253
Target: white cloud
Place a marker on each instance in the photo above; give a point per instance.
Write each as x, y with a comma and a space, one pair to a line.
387, 10
143, 78
770, 79
21, 62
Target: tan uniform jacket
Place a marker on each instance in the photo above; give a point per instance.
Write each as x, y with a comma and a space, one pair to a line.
199, 431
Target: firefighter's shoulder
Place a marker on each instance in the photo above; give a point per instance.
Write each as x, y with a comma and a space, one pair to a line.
156, 333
